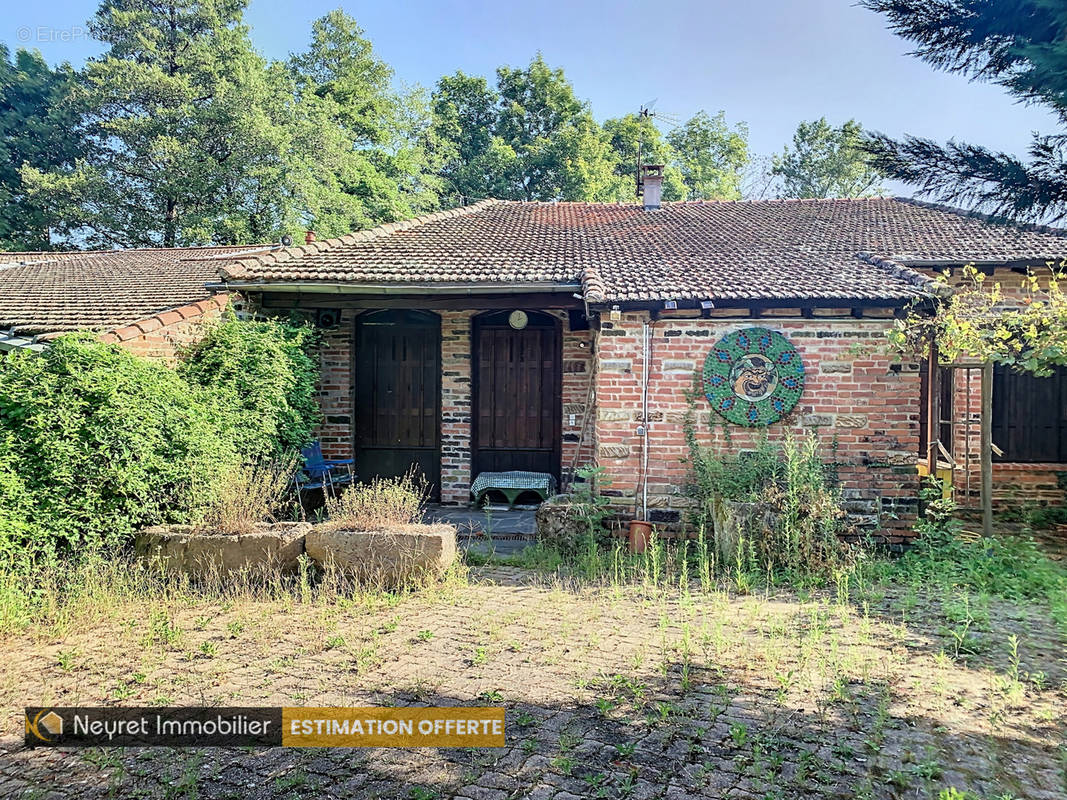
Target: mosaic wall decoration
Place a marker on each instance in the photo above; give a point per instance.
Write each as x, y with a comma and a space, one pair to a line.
753, 377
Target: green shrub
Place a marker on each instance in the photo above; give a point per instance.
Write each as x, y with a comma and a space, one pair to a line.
773, 508
264, 382
1013, 567
381, 503
17, 528
97, 443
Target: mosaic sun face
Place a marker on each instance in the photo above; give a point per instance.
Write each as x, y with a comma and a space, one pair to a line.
753, 377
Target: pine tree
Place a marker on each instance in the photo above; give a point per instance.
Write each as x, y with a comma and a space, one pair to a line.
1018, 44
181, 142
38, 117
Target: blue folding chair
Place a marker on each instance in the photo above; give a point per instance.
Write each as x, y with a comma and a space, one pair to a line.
322, 473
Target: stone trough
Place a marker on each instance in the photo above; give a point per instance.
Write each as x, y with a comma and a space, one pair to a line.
386, 557
202, 553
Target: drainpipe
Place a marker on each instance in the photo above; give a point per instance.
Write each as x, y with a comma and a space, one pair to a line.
646, 366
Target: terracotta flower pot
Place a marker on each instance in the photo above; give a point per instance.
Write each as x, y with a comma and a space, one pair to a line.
639, 533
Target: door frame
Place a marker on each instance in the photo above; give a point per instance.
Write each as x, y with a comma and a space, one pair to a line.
477, 325
435, 489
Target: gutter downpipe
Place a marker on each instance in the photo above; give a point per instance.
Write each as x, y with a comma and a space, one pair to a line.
646, 353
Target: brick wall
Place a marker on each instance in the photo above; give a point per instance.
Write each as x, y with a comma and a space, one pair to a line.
579, 418
336, 398
456, 406
161, 335
855, 393
335, 387
1014, 484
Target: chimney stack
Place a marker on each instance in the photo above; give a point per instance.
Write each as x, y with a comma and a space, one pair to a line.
309, 237
651, 185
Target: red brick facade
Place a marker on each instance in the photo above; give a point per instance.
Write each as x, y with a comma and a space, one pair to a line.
861, 400
160, 336
856, 396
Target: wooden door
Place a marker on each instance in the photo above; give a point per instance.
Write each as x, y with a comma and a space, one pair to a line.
398, 395
1030, 415
516, 394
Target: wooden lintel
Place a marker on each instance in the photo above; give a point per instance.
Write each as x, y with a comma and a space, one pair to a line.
532, 300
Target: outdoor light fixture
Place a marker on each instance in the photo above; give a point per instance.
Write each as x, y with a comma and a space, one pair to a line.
670, 305
707, 305
616, 314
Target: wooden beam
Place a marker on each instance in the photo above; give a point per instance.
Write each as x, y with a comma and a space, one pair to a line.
533, 300
933, 409
987, 449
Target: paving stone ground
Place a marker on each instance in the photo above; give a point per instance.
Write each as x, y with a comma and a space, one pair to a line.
610, 692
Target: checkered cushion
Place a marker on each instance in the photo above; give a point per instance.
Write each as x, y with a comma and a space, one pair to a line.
516, 479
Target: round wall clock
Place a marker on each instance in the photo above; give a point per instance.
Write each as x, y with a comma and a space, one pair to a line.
753, 377
518, 319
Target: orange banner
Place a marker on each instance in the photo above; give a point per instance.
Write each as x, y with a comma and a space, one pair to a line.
393, 727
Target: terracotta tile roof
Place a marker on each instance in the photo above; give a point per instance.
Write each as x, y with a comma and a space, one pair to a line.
816, 250
764, 250
47, 293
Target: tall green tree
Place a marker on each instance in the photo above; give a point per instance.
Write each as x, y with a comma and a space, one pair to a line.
529, 138
1018, 44
362, 152
465, 110
182, 148
827, 161
711, 156
39, 115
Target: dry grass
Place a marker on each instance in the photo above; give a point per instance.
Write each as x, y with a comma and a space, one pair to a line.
640, 691
248, 494
382, 503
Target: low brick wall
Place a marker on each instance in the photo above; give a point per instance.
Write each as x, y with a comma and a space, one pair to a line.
1016, 485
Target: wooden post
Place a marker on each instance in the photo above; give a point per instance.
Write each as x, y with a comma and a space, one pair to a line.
987, 449
933, 410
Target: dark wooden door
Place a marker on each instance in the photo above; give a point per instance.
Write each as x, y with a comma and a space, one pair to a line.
1030, 416
516, 392
398, 395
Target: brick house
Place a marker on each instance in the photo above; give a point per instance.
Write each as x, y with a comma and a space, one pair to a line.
549, 336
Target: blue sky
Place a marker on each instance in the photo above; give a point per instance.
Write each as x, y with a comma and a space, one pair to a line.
769, 63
